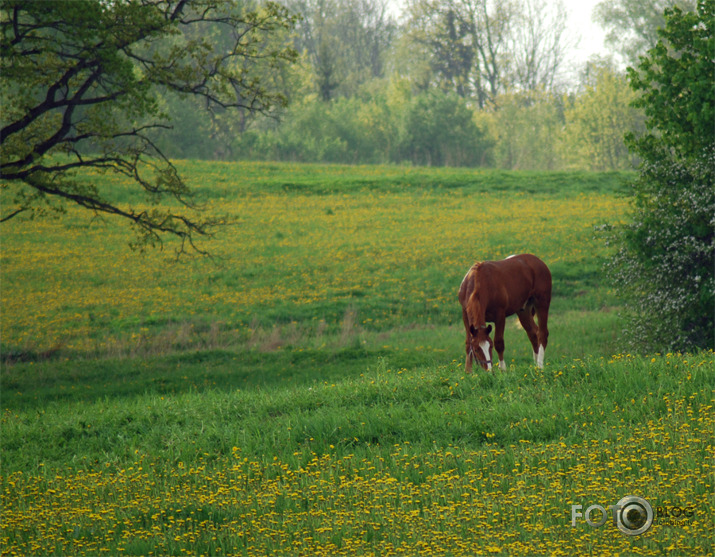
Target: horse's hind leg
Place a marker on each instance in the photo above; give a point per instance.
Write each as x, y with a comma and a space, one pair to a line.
542, 313
499, 325
526, 318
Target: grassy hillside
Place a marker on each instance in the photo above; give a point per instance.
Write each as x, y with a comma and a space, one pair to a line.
315, 252
306, 394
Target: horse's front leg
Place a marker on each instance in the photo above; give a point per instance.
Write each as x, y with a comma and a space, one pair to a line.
467, 343
499, 325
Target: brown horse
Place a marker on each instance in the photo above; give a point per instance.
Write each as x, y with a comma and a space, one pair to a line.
493, 290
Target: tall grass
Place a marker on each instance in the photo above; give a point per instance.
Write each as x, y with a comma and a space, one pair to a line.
429, 460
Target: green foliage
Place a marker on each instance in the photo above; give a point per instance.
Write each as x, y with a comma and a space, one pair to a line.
438, 129
432, 129
342, 131
598, 119
525, 131
666, 261
346, 43
480, 50
451, 49
632, 25
388, 124
676, 81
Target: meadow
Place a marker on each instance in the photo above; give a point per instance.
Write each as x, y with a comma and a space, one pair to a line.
303, 391
312, 250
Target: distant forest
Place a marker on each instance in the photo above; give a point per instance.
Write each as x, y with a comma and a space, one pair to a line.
476, 83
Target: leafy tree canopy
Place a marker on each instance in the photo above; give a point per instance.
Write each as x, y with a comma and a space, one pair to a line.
79, 87
632, 25
676, 80
667, 258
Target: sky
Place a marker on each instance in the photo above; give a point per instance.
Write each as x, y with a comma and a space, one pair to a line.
581, 24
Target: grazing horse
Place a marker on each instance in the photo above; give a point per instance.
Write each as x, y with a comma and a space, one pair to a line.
493, 290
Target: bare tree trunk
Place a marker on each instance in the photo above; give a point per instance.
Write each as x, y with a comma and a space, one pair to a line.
538, 44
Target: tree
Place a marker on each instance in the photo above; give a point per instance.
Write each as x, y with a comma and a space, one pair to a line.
465, 42
453, 53
597, 120
538, 44
526, 128
481, 48
219, 127
438, 129
632, 25
666, 260
346, 42
79, 91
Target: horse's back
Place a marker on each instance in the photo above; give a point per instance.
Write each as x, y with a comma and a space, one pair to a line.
517, 276
533, 271
541, 272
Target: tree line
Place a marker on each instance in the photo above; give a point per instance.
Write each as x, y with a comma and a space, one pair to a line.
456, 83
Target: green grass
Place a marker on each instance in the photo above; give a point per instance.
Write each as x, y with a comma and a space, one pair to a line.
328, 179
328, 357
425, 406
307, 395
393, 460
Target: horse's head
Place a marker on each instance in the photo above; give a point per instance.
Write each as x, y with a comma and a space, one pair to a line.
480, 346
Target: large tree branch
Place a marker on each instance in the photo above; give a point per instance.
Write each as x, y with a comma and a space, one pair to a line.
49, 103
82, 79
67, 124
178, 10
149, 224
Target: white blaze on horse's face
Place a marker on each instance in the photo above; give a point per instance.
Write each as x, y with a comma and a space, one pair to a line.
540, 357
486, 349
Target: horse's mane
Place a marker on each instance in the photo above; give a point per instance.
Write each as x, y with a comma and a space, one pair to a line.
474, 308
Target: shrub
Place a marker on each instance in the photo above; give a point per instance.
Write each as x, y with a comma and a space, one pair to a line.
666, 259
